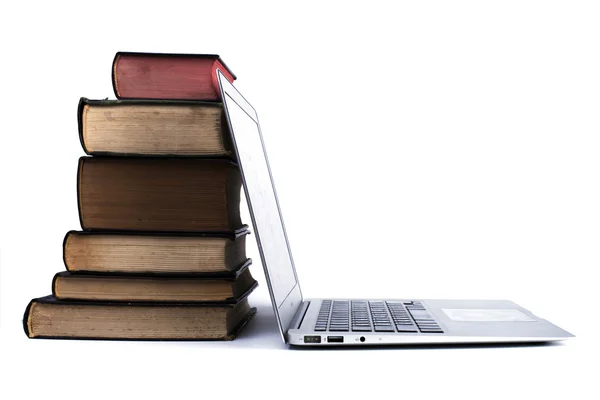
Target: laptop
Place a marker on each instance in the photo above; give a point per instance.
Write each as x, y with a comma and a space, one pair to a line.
355, 322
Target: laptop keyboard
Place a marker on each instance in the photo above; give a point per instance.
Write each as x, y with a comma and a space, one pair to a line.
375, 316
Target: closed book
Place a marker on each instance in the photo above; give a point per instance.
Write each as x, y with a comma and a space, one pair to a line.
218, 255
135, 288
153, 128
159, 194
49, 318
167, 76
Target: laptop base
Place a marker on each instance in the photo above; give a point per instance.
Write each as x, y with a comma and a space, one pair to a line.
432, 322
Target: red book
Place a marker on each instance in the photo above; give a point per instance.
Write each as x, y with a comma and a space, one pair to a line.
167, 76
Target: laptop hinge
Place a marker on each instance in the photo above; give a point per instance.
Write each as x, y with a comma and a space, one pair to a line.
299, 317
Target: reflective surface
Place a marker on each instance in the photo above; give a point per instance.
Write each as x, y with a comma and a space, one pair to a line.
260, 193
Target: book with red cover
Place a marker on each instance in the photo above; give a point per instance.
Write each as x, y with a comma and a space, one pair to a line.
167, 76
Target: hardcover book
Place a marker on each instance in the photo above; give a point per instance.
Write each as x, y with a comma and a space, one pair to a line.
159, 194
167, 76
132, 288
49, 318
219, 255
153, 128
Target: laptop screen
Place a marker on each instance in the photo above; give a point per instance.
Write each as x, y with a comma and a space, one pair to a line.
264, 206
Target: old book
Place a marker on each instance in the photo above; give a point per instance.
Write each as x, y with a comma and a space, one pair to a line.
167, 76
50, 318
159, 194
220, 255
159, 128
66, 286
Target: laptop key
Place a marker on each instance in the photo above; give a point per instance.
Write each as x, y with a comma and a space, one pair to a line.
420, 314
403, 328
361, 329
384, 328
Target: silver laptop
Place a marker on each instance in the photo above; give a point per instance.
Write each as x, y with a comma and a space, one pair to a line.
343, 322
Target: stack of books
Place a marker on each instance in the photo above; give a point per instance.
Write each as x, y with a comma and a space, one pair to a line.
161, 254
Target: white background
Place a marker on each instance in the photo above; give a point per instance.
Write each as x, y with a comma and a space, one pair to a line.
430, 149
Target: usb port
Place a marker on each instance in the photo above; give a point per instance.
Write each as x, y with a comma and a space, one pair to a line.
312, 339
335, 339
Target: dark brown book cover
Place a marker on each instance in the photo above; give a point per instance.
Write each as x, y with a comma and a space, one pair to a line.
49, 318
153, 128
159, 194
167, 76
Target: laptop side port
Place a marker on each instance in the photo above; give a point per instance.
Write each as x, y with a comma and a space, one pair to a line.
312, 339
335, 339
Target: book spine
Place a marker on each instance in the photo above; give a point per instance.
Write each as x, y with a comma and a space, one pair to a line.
55, 285
80, 108
113, 74
79, 211
26, 317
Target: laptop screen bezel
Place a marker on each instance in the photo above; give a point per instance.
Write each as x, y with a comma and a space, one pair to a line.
286, 312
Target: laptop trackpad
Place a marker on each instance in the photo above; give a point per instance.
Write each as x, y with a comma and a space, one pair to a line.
486, 315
